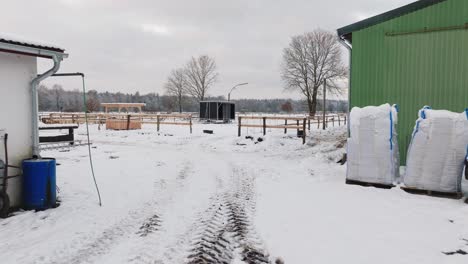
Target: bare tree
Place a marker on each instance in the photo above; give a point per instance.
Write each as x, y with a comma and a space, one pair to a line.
200, 75
287, 107
92, 101
58, 96
309, 60
176, 86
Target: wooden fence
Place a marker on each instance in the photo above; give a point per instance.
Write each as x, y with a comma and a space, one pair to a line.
128, 119
298, 123
332, 119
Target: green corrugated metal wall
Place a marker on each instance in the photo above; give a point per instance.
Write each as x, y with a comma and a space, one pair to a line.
416, 69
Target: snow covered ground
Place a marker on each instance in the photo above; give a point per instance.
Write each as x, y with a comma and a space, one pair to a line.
172, 197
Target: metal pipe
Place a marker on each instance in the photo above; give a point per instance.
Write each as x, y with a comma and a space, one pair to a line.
68, 74
232, 89
349, 47
35, 101
5, 176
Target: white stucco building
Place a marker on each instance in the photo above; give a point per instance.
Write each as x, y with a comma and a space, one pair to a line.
18, 101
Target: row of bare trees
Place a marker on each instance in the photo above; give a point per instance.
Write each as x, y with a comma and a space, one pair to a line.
194, 79
309, 60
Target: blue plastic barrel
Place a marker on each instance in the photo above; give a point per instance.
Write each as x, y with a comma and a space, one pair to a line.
39, 189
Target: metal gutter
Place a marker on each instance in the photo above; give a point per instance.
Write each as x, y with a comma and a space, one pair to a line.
57, 57
30, 51
349, 47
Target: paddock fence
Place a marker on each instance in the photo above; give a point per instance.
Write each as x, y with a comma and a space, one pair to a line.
119, 121
299, 123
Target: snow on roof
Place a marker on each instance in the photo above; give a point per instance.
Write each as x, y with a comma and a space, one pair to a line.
16, 40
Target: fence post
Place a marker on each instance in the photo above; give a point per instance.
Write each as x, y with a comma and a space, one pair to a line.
264, 126
128, 122
298, 126
304, 131
285, 124
308, 122
239, 123
157, 122
190, 118
345, 117
339, 121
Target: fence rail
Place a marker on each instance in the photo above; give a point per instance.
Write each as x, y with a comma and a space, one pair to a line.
302, 123
102, 118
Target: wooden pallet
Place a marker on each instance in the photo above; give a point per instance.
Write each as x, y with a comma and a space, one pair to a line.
369, 184
449, 195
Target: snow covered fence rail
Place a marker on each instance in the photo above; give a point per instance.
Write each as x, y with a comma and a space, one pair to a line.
168, 119
120, 120
300, 123
297, 126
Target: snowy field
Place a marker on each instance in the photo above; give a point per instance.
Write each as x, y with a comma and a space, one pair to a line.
172, 197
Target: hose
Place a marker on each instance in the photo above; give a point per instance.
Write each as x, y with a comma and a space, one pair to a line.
89, 141
87, 126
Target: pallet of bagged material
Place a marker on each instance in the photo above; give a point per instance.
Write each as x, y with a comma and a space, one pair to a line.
369, 184
449, 195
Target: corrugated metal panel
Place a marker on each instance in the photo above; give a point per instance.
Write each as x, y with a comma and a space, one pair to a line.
415, 69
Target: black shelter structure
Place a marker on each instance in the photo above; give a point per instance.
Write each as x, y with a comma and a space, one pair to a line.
217, 111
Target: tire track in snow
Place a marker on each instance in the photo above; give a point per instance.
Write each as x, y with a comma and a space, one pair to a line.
112, 236
228, 234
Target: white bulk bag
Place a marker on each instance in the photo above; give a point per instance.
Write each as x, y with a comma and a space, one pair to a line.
437, 151
373, 155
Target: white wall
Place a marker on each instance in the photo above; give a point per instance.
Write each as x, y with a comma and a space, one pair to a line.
16, 74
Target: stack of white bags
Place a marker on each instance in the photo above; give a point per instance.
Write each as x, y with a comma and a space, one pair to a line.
373, 155
437, 152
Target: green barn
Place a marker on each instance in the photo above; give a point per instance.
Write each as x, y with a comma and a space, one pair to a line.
413, 56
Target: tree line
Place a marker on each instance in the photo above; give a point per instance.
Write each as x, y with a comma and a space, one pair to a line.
57, 99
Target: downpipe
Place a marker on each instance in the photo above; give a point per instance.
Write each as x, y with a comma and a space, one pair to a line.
35, 103
349, 47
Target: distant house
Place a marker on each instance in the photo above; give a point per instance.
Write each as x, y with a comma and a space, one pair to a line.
413, 56
18, 100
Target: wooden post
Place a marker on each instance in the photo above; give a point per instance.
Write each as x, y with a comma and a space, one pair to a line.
297, 126
239, 123
308, 123
190, 120
345, 117
71, 135
264, 126
304, 131
285, 123
324, 103
339, 121
128, 122
157, 122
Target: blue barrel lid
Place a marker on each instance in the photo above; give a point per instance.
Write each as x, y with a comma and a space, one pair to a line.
39, 160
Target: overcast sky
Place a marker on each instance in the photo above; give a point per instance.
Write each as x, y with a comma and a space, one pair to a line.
132, 45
